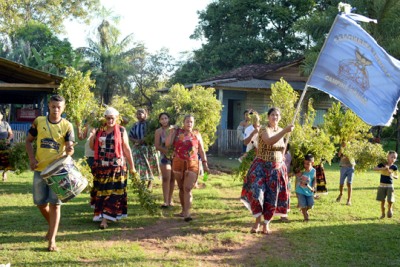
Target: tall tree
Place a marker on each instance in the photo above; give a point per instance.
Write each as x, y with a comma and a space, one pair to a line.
240, 32
35, 45
150, 73
16, 13
110, 61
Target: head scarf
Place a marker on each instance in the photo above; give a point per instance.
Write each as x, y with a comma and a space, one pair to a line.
110, 111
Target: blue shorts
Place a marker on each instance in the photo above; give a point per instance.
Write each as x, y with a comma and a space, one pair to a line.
42, 193
164, 160
305, 201
346, 172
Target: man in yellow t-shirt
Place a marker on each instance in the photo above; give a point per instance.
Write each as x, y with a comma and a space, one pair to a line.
54, 137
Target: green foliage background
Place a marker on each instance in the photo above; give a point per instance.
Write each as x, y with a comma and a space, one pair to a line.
199, 102
79, 100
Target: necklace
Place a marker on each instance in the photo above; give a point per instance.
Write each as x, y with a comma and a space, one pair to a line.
274, 129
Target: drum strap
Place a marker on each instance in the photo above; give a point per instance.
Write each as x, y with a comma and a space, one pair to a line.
48, 126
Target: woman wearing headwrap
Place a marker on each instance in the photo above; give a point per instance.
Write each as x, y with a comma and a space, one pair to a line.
145, 155
111, 151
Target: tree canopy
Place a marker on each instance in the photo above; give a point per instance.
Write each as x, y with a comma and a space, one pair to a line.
240, 32
17, 13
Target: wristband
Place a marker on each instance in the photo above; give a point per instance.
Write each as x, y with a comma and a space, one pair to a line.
204, 161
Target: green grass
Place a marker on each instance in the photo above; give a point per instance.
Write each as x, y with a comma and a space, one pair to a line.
337, 235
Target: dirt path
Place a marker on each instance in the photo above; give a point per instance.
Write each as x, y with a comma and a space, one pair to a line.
171, 237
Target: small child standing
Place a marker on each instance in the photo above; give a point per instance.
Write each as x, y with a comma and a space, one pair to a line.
386, 188
305, 187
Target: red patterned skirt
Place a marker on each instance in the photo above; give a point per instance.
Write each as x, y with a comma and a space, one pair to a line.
265, 189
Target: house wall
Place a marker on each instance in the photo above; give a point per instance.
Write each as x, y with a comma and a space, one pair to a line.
260, 100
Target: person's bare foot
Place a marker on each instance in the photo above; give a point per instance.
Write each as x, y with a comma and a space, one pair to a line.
52, 247
255, 228
266, 230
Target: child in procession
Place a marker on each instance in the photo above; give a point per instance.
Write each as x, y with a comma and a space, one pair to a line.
386, 189
305, 187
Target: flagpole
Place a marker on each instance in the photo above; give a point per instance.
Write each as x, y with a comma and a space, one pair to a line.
306, 85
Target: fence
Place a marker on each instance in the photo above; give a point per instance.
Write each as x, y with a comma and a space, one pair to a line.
19, 131
19, 136
227, 143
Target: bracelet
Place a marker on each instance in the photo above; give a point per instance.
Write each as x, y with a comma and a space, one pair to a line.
204, 161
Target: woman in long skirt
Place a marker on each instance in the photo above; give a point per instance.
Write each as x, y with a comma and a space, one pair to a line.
265, 188
111, 151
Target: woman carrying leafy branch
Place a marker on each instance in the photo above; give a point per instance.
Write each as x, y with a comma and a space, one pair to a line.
188, 145
144, 154
265, 188
168, 181
111, 151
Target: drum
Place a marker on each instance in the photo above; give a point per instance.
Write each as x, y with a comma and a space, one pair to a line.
64, 178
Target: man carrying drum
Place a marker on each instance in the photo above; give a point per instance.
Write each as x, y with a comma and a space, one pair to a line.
54, 137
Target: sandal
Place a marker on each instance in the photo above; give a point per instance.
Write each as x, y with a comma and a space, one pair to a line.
339, 198
164, 206
188, 219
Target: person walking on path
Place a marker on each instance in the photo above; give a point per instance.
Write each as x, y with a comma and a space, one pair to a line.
111, 153
188, 145
54, 137
386, 189
346, 172
168, 181
265, 188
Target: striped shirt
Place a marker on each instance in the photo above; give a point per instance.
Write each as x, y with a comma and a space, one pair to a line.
138, 130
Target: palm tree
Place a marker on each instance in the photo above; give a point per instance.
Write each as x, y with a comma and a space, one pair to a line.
110, 61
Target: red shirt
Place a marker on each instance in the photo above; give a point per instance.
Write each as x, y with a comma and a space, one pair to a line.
186, 145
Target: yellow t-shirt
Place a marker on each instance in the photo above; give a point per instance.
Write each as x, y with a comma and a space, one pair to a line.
50, 140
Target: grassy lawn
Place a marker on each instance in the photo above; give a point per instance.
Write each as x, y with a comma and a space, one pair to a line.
337, 235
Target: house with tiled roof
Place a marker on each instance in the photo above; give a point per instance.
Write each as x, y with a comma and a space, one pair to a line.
248, 87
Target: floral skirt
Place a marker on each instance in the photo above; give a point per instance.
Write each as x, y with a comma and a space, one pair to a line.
265, 189
108, 195
146, 161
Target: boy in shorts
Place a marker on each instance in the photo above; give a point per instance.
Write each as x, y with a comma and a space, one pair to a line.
305, 186
386, 188
54, 137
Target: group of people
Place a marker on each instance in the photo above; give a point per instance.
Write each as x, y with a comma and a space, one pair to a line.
111, 159
266, 187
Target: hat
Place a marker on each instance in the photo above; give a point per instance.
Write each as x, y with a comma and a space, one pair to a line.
111, 111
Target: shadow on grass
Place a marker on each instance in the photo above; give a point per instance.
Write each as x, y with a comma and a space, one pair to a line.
10, 187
